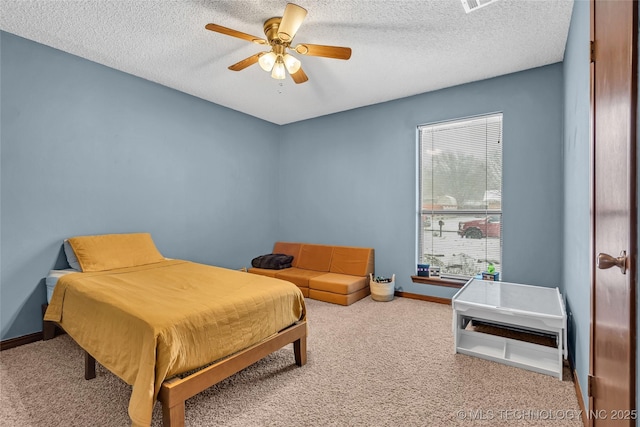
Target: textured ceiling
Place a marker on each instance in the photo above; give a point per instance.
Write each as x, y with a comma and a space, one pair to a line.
400, 47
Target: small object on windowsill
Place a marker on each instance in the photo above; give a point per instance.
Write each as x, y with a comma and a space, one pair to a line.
434, 272
491, 276
423, 270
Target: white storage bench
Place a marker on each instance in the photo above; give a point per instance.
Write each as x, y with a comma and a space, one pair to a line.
522, 307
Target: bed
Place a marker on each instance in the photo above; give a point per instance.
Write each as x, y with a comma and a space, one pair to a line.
170, 328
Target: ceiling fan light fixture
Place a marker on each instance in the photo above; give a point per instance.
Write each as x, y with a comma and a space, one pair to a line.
292, 63
267, 61
279, 70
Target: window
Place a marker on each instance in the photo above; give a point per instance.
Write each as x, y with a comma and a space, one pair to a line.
460, 197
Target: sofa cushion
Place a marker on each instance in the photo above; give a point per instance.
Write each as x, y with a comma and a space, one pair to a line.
297, 276
337, 298
263, 271
351, 260
338, 283
288, 248
315, 257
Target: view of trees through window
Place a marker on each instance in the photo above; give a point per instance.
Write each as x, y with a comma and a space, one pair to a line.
461, 195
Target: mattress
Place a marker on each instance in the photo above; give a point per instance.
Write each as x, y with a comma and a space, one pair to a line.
52, 280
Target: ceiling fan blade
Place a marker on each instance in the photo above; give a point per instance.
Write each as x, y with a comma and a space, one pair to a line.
291, 21
246, 62
234, 33
335, 52
299, 76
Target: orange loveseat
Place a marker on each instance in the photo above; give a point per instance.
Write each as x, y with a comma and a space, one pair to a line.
336, 274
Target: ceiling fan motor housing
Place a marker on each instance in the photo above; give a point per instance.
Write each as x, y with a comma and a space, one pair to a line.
271, 26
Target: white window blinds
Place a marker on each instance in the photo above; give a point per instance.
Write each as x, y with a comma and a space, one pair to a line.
460, 177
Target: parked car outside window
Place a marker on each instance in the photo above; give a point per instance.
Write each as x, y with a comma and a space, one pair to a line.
479, 228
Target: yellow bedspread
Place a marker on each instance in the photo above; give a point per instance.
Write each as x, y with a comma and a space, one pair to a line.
148, 323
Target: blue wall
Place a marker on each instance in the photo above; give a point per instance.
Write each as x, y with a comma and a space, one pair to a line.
86, 149
576, 273
350, 178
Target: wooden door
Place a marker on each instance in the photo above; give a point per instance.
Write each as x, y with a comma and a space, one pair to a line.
612, 379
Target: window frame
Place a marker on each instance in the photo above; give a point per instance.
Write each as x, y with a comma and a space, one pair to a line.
486, 212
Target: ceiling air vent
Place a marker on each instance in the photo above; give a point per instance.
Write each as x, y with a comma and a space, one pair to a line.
471, 5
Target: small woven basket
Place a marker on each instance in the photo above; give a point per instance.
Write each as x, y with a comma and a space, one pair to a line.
382, 291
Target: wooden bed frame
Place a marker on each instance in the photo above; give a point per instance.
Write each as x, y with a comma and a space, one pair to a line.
175, 391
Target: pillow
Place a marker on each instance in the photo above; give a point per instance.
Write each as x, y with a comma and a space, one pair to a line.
272, 261
71, 256
110, 251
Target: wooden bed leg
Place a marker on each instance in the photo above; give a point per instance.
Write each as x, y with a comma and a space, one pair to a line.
300, 351
48, 330
89, 366
173, 416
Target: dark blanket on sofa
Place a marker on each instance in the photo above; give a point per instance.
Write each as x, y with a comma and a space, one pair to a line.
272, 261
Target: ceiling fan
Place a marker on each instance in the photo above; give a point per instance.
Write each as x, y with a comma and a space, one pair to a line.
280, 32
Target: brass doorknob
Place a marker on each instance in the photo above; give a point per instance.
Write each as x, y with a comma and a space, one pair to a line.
605, 261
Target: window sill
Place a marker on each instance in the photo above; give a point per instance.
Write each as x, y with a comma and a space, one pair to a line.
451, 283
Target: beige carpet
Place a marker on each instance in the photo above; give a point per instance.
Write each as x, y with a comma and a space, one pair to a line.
369, 364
